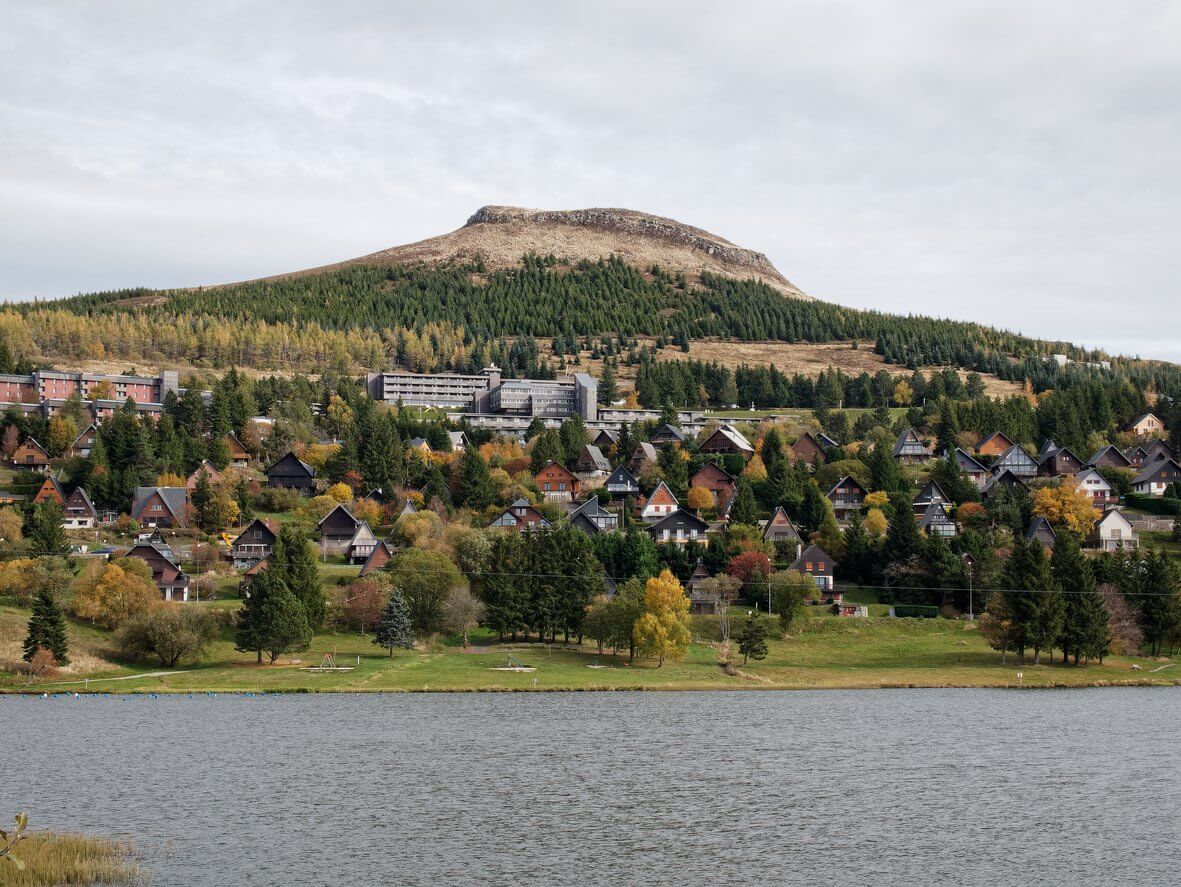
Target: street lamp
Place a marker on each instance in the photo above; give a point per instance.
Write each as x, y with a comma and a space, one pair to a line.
967, 559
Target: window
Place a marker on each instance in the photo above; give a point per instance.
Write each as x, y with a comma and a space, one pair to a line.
808, 566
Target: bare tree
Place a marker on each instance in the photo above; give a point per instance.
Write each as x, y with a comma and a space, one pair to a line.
462, 612
722, 590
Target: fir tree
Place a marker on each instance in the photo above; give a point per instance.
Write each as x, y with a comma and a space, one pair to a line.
903, 540
393, 629
745, 509
46, 535
475, 484
293, 561
47, 629
1084, 625
752, 639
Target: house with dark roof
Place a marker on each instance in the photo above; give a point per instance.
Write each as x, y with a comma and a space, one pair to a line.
239, 455
30, 456
79, 513
680, 526
1155, 478
1108, 457
1137, 456
51, 491
930, 494
605, 439
621, 482
591, 461
727, 440
660, 504
1097, 487
936, 521
84, 442
716, 479
592, 518
166, 572
253, 544
847, 496
1146, 425
1017, 460
667, 434
818, 564
779, 528
644, 454
909, 449
1156, 449
1005, 480
1040, 529
1056, 461
378, 558
337, 529
521, 516
291, 473
807, 449
976, 471
557, 483
160, 507
994, 444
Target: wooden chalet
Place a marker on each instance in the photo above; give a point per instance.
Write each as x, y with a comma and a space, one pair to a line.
248, 577
458, 441
605, 439
659, 505
847, 496
30, 456
1056, 461
930, 494
1097, 487
592, 461
643, 455
716, 479
1112, 532
1155, 478
667, 434
1017, 460
592, 518
994, 444
359, 548
1005, 480
253, 544
807, 449
1146, 425
1158, 449
936, 521
621, 482
680, 527
239, 455
291, 473
337, 529
1108, 457
779, 528
51, 491
727, 441
79, 513
211, 474
814, 561
909, 449
166, 573
701, 601
557, 483
1137, 456
1040, 529
521, 516
160, 507
378, 558
977, 473
408, 507
84, 442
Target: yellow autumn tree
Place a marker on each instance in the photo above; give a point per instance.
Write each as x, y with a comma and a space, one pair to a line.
877, 499
110, 594
341, 492
169, 479
876, 523
662, 631
1066, 506
755, 469
700, 499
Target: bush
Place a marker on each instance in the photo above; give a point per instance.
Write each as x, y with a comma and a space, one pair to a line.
1153, 505
170, 632
276, 499
915, 611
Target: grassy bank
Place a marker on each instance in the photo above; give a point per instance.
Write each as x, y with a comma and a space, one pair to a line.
822, 652
52, 859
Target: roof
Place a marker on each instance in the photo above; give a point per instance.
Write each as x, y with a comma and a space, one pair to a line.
175, 499
250, 526
645, 450
363, 535
1152, 471
968, 462
733, 435
934, 513
1144, 416
984, 441
291, 457
907, 437
32, 442
1108, 451
713, 468
667, 430
612, 436
596, 457
848, 478
339, 507
79, 499
680, 516
1005, 477
1039, 526
590, 507
930, 488
779, 526
85, 431
381, 552
811, 554
622, 474
458, 439
551, 464
668, 497
1057, 454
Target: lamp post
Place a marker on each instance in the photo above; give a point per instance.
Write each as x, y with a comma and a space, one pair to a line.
967, 559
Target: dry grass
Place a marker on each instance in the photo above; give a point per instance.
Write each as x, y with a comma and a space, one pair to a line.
87, 646
52, 859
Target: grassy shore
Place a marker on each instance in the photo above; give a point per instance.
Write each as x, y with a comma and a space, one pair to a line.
822, 652
52, 859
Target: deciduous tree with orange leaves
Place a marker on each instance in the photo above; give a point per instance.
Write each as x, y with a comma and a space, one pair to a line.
662, 631
1065, 506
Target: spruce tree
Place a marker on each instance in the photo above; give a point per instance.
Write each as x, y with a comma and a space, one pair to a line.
393, 628
283, 626
475, 484
1085, 619
745, 509
47, 629
752, 639
903, 540
248, 636
46, 534
294, 562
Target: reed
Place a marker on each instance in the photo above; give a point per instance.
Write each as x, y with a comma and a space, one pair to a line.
51, 858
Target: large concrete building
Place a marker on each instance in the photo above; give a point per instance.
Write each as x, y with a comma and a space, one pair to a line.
46, 391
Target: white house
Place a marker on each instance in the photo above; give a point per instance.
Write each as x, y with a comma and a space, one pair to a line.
1112, 532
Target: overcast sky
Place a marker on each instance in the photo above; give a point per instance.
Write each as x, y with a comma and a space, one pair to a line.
1013, 163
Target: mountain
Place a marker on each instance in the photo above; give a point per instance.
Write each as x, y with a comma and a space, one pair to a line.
500, 235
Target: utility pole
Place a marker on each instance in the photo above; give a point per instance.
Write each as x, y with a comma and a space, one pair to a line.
967, 558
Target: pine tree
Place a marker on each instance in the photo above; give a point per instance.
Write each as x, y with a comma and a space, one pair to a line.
282, 623
475, 484
745, 509
248, 633
1077, 581
293, 561
1026, 577
47, 629
393, 629
607, 386
46, 534
903, 540
752, 639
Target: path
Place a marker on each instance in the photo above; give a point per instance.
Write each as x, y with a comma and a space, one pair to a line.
126, 677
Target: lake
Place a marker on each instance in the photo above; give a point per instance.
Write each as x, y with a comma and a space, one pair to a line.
838, 787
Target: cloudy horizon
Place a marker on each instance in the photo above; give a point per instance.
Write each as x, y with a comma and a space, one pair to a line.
998, 162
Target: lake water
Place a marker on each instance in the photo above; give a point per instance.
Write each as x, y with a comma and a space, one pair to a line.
834, 787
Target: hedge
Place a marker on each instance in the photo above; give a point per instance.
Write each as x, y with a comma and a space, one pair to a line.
915, 611
1153, 505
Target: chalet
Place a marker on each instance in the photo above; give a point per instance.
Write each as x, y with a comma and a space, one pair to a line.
239, 455
1146, 426
680, 527
592, 461
659, 505
1112, 532
994, 444
248, 577
727, 441
51, 491
621, 482
1137, 456
337, 529
31, 456
1040, 529
1097, 487
779, 528
359, 548
1155, 478
521, 516
606, 438
975, 471
1005, 480
84, 442
667, 434
253, 544
847, 496
592, 518
557, 483
1056, 461
79, 513
910, 449
212, 475
1017, 460
725, 505
160, 506
1108, 457
715, 479
378, 558
825, 441
291, 473
458, 441
408, 507
1156, 449
701, 601
821, 567
645, 454
166, 572
420, 445
930, 494
807, 449
936, 521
